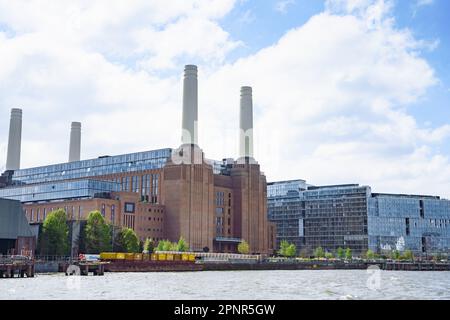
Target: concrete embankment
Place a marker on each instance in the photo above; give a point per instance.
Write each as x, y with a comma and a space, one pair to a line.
47, 267
328, 265
179, 266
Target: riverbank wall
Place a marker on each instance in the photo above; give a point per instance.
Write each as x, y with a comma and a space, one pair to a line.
326, 265
183, 266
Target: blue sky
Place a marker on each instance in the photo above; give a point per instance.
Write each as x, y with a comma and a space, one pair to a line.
260, 24
345, 91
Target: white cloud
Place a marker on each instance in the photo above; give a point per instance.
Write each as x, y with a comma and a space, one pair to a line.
331, 96
420, 3
282, 5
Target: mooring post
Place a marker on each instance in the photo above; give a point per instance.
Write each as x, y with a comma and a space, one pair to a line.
30, 272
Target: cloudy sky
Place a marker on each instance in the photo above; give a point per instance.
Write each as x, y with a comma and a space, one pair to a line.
345, 91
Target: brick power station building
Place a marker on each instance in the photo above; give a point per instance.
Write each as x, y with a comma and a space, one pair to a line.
161, 194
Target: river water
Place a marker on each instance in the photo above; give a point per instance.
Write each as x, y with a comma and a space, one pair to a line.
240, 285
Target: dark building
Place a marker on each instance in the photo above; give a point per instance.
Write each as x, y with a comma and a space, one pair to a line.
16, 237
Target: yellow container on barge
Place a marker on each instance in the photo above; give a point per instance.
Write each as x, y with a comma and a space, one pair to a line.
108, 256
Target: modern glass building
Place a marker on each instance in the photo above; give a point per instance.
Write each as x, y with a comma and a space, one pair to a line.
351, 216
399, 222
88, 178
101, 166
62, 190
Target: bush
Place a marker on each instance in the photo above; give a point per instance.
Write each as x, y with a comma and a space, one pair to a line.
287, 249
148, 246
395, 255
348, 254
166, 245
340, 253
243, 247
408, 255
329, 255
182, 245
319, 252
370, 254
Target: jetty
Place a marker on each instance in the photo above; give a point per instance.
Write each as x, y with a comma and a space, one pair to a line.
16, 266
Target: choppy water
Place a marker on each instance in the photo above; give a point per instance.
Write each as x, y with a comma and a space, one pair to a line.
279, 285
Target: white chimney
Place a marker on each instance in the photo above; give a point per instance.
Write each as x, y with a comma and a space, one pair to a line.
14, 140
75, 142
190, 106
246, 123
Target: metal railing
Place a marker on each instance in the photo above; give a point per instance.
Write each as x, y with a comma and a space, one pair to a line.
54, 258
11, 259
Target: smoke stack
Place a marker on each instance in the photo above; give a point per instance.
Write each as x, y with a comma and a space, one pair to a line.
190, 105
246, 124
75, 142
14, 140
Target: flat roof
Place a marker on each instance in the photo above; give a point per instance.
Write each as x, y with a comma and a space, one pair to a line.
335, 186
400, 195
285, 181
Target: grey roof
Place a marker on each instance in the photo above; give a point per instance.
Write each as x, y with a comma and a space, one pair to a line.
13, 223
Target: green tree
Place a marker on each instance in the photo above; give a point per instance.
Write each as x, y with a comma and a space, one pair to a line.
340, 253
329, 255
127, 241
182, 245
283, 246
395, 255
319, 252
148, 245
166, 245
370, 254
408, 255
287, 249
348, 254
160, 245
97, 234
55, 234
243, 247
291, 250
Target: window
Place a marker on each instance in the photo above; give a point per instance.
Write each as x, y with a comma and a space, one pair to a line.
129, 207
134, 184
103, 210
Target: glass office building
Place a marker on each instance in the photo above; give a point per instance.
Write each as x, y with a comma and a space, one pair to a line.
351, 216
399, 222
88, 178
63, 190
101, 166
